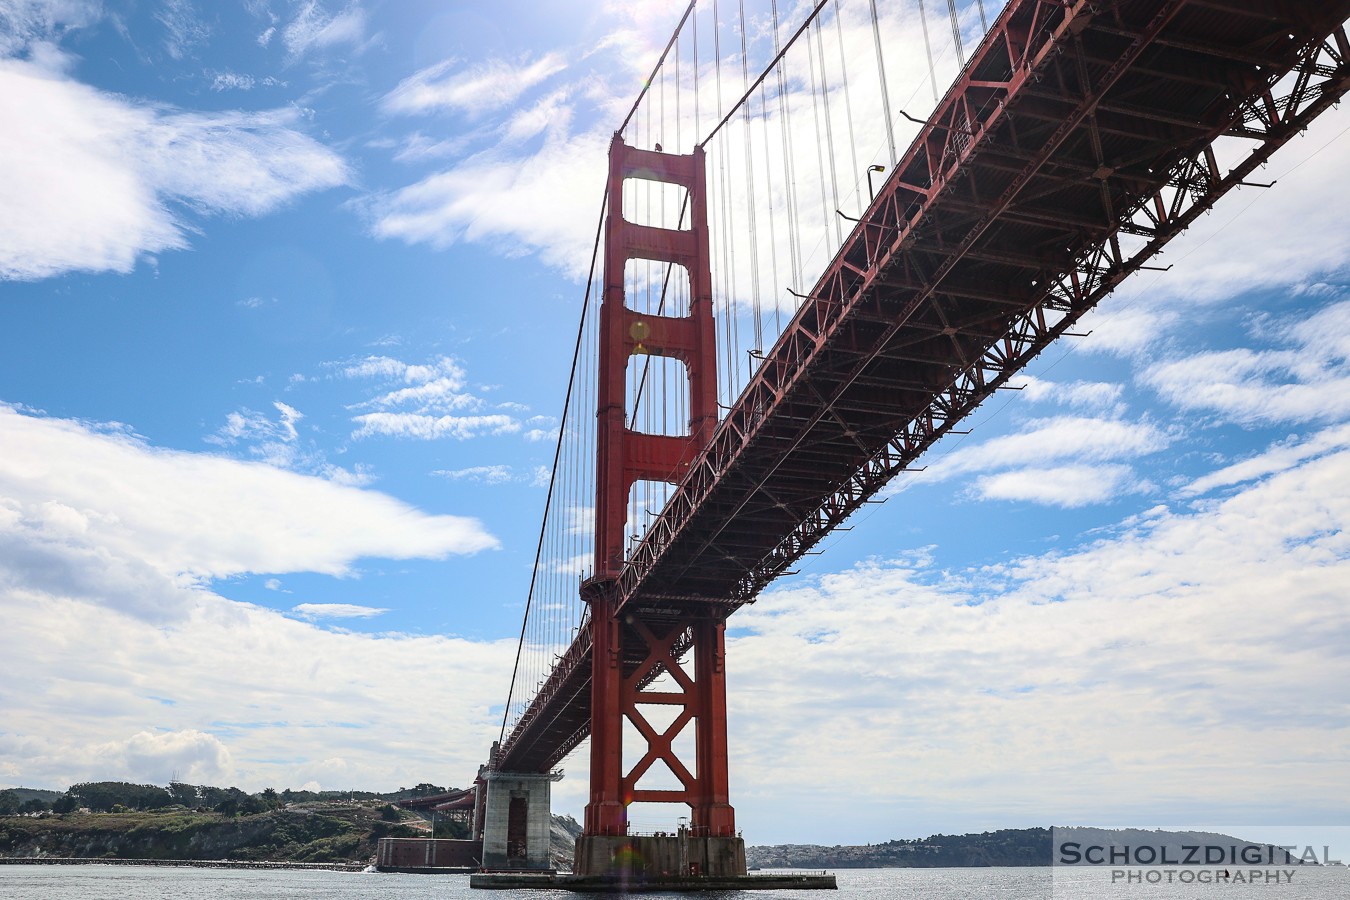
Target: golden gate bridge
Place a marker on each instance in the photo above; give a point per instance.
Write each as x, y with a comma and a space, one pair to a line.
806, 272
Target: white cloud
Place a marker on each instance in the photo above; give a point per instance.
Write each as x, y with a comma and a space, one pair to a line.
413, 373
1254, 239
1066, 486
432, 391
236, 81
24, 23
503, 199
1307, 382
194, 756
260, 700
105, 543
497, 474
1277, 458
1066, 461
79, 503
336, 611
427, 427
314, 27
94, 179
489, 86
437, 394
418, 147
183, 28
1187, 650
1095, 395
277, 442
246, 424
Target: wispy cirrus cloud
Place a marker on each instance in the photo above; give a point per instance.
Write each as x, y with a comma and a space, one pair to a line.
314, 27
496, 474
430, 428
537, 476
184, 29
1066, 461
429, 403
24, 23
96, 181
314, 611
1092, 395
1305, 380
1064, 486
496, 197
277, 442
238, 81
490, 85
1274, 459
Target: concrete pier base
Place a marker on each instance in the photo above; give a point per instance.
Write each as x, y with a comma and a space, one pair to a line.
431, 855
582, 884
679, 855
518, 821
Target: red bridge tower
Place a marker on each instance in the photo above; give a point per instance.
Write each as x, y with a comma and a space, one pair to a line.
633, 647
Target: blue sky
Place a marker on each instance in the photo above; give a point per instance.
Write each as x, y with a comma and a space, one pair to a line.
289, 290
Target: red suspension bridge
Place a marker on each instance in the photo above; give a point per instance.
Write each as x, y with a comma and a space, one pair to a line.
793, 309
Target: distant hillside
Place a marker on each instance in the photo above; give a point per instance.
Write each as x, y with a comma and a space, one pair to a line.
11, 799
1010, 847
310, 833
120, 820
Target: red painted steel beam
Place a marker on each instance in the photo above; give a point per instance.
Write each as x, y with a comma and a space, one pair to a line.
1073, 24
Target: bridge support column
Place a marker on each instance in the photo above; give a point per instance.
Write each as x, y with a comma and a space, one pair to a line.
712, 812
633, 649
518, 821
607, 811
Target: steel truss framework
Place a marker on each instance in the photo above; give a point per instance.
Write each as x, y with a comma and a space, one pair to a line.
1080, 139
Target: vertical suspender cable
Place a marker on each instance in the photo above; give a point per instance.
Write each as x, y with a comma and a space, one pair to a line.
728, 315
750, 190
557, 451
848, 102
659, 63
698, 129
928, 49
984, 24
773, 232
885, 92
829, 135
956, 33
785, 113
820, 158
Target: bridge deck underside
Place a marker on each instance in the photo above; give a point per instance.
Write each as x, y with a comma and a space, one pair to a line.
1074, 146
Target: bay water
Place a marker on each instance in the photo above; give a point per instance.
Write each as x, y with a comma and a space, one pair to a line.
98, 882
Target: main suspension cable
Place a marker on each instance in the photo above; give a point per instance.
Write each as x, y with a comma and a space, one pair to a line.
659, 63
557, 452
769, 68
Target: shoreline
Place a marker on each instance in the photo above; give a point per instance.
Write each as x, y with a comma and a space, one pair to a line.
178, 863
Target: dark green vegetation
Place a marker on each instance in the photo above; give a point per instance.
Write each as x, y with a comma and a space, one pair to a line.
199, 822
1010, 847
